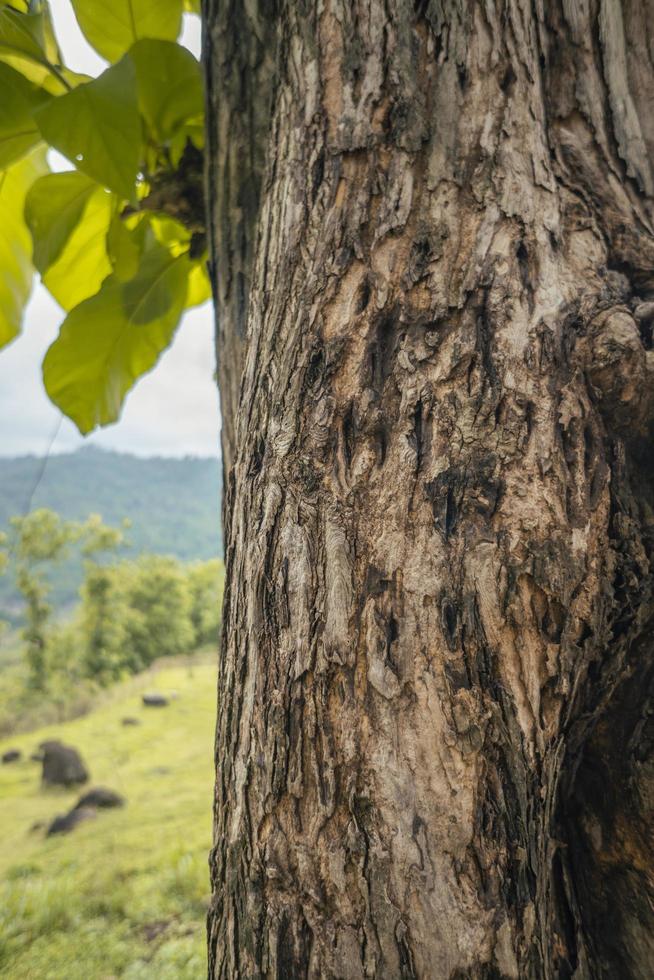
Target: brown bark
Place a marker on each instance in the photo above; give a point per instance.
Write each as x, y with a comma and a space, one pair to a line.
239, 55
434, 736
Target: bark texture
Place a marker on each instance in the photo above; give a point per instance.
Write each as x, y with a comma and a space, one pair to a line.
434, 744
239, 56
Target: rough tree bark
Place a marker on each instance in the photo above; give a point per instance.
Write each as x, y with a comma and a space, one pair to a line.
434, 247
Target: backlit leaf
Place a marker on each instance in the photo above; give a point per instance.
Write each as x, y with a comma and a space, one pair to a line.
199, 287
83, 264
107, 342
113, 27
16, 271
125, 242
97, 126
55, 83
171, 233
28, 44
22, 33
53, 209
154, 291
190, 131
18, 131
169, 85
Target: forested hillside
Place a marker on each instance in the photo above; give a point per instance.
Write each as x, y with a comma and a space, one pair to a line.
172, 504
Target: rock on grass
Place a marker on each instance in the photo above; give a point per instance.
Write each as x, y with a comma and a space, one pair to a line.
64, 824
101, 798
155, 700
62, 765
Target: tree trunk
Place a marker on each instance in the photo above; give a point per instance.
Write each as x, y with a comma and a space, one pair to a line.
434, 743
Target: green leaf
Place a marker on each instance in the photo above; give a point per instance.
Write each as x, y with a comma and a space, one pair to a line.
28, 44
18, 131
170, 232
125, 242
112, 28
97, 126
53, 209
55, 81
169, 86
111, 339
15, 244
23, 34
47, 34
153, 291
199, 287
191, 131
82, 265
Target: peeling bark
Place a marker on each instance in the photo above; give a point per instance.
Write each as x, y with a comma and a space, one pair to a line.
434, 743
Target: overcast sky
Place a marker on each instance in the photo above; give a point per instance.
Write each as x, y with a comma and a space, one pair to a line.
173, 411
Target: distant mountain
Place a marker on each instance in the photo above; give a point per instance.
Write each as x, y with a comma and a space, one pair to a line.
173, 504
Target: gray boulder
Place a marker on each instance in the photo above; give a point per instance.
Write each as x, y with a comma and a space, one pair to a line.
130, 721
11, 755
155, 700
101, 798
64, 824
62, 765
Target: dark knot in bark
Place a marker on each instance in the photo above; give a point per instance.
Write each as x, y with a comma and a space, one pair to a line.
620, 369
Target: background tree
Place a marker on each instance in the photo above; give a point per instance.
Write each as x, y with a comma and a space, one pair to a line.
38, 539
157, 605
102, 627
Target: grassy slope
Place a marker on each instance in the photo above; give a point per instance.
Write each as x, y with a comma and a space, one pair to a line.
123, 895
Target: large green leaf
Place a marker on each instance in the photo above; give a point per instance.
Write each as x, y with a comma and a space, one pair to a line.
98, 127
111, 339
53, 209
82, 264
169, 86
18, 131
113, 27
15, 243
158, 287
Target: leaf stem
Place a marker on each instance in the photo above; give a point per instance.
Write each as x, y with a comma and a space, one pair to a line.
54, 70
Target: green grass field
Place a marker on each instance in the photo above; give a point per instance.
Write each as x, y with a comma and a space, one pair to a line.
124, 895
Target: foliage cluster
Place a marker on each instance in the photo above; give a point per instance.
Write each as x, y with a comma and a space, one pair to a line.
119, 239
131, 612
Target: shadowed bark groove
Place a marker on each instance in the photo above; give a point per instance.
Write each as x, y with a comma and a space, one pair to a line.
434, 744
